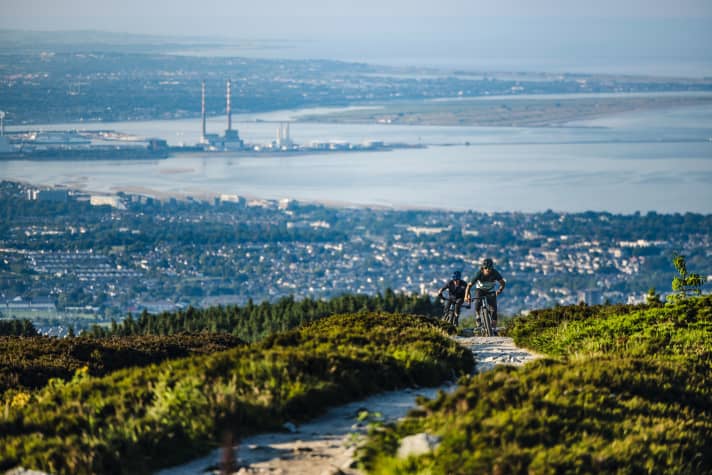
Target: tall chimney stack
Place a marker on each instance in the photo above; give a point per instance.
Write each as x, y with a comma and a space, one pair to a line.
202, 111
227, 107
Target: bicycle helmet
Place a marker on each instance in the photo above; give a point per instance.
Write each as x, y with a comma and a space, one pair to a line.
487, 263
457, 275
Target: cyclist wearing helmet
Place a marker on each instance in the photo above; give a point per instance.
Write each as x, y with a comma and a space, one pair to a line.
456, 288
484, 282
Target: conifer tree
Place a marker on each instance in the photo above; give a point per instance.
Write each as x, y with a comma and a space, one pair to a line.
686, 282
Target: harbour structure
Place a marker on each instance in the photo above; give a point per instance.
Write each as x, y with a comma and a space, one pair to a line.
79, 145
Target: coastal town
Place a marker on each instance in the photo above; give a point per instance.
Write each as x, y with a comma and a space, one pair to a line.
72, 259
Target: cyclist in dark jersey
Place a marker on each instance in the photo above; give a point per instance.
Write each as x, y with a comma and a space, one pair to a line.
484, 283
456, 288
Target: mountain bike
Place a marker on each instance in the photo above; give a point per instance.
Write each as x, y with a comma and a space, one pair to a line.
449, 310
485, 314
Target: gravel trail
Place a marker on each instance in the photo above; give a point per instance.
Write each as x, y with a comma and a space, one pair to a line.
326, 445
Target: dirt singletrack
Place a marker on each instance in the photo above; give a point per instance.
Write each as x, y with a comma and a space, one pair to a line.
326, 445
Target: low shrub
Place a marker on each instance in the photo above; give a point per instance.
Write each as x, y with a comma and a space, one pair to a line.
27, 363
136, 420
602, 415
626, 392
678, 330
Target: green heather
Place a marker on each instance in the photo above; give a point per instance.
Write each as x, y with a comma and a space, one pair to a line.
678, 331
29, 362
135, 420
625, 390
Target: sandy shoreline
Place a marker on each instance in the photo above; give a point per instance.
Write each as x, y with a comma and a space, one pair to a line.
209, 197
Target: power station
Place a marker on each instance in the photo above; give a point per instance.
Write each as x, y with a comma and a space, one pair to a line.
283, 142
102, 144
231, 140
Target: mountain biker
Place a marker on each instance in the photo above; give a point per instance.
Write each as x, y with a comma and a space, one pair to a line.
484, 282
456, 288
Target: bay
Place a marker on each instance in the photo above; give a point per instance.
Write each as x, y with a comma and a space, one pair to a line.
642, 161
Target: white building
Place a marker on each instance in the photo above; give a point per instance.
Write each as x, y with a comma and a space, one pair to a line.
113, 201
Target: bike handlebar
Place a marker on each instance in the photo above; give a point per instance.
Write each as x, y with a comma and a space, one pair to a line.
450, 299
453, 300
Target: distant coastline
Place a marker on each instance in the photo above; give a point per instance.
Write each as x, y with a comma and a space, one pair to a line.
637, 161
533, 111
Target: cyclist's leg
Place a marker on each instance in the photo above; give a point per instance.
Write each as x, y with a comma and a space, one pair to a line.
458, 305
478, 305
446, 309
492, 302
451, 313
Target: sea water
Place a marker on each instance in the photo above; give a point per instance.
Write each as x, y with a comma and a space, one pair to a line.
640, 161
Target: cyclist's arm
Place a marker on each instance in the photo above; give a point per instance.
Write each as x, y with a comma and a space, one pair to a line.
440, 292
467, 292
502, 284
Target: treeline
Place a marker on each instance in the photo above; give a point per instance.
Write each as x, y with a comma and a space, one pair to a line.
626, 390
252, 322
17, 328
28, 363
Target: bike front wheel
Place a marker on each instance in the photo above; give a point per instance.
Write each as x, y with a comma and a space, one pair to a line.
487, 322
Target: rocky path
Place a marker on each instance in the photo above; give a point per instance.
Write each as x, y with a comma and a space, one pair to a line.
326, 445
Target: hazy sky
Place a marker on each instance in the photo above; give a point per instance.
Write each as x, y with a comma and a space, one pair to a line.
573, 35
231, 17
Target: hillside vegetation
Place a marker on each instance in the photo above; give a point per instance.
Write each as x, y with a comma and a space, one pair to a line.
17, 327
252, 322
138, 419
28, 363
626, 390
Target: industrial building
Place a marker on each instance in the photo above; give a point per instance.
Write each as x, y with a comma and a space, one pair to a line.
284, 141
231, 140
5, 146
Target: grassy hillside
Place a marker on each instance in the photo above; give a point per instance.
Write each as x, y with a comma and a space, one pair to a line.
678, 331
136, 420
625, 391
28, 363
